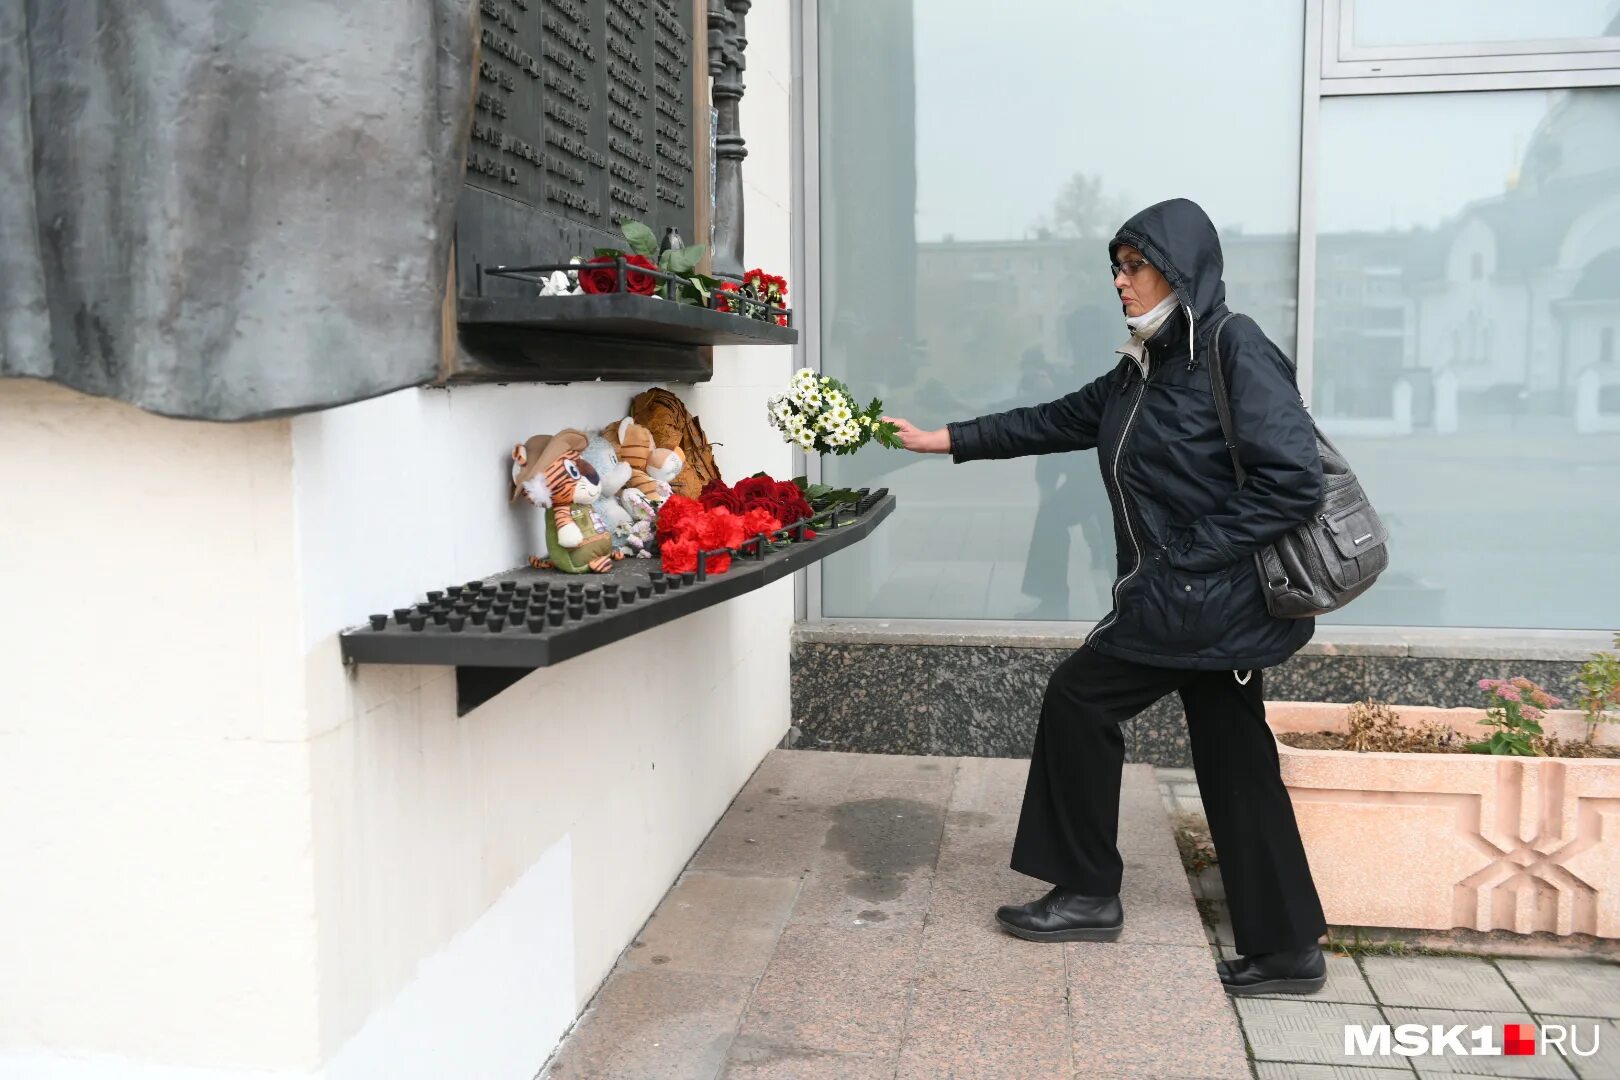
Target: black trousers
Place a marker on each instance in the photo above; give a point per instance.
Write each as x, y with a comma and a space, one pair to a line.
1069, 826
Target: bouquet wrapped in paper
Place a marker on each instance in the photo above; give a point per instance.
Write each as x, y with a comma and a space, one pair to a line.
819, 415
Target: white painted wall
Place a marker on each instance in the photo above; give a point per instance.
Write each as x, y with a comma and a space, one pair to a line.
232, 857
155, 811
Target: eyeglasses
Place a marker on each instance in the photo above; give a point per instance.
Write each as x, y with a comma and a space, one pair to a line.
1129, 267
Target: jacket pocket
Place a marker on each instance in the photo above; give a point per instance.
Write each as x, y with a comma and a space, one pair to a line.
1194, 605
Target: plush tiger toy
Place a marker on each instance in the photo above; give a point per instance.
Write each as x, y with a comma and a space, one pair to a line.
548, 471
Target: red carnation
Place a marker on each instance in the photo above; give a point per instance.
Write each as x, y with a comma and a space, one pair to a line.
759, 520
677, 510
605, 277
678, 556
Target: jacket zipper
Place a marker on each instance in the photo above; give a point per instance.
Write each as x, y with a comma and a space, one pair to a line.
1124, 505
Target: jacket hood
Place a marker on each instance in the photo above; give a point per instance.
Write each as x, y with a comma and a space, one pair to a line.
1178, 238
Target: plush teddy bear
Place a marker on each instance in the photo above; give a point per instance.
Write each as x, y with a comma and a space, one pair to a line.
653, 468
632, 531
549, 472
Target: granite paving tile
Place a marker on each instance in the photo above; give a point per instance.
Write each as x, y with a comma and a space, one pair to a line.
722, 924
954, 1034
832, 988
803, 777
751, 1059
1124, 1020
1567, 987
913, 767
654, 1025
1452, 1064
1158, 904
987, 785
987, 959
1439, 982
769, 841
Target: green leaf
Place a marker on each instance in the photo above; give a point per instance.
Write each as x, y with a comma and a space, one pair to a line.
642, 240
613, 252
802, 481
684, 260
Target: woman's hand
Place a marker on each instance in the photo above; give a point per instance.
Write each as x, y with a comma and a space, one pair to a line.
923, 442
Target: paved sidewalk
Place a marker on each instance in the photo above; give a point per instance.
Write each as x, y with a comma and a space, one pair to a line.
839, 923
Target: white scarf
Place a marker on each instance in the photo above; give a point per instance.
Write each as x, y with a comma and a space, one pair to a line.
1143, 327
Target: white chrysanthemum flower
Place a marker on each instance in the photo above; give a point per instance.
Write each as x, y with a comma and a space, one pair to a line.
840, 414
851, 431
866, 421
804, 377
807, 441
836, 399
812, 398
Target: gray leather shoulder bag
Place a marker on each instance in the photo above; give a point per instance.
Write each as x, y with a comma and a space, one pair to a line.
1325, 562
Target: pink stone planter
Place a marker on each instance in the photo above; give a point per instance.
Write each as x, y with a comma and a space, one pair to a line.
1445, 841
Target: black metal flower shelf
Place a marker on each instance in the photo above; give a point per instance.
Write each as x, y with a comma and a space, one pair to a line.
622, 313
497, 629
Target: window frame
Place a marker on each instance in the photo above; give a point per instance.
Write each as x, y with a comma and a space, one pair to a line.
1343, 60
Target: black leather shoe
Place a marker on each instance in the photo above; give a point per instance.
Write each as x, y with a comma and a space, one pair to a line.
1062, 915
1293, 971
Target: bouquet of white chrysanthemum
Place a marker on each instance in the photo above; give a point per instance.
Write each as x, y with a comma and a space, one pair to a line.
818, 414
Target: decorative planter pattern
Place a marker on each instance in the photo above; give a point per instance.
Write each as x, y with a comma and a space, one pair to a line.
1443, 841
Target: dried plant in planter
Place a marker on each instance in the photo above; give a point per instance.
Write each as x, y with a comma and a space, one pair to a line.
1375, 727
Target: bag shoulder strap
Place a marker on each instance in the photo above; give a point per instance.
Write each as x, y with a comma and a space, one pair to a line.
1223, 406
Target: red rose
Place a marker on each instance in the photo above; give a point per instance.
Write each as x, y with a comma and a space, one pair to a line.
723, 498
605, 278
678, 556
755, 488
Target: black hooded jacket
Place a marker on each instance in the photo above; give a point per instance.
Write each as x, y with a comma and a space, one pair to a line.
1187, 591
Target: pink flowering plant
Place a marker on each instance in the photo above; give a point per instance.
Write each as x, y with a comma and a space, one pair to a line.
1516, 706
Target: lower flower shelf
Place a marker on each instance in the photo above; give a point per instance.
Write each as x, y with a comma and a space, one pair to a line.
520, 648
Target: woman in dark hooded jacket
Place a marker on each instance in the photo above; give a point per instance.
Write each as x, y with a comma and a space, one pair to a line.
1188, 612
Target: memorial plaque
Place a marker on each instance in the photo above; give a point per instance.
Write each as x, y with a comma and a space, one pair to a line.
584, 117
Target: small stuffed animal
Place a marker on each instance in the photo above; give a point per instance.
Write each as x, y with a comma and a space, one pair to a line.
653, 468
615, 474
549, 472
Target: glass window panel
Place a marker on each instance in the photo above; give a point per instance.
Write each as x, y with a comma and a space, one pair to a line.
974, 163
1456, 22
1467, 296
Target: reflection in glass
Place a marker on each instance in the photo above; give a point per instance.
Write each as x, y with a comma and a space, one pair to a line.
1467, 303
1448, 22
974, 165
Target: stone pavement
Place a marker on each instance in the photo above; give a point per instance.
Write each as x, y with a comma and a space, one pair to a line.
838, 923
